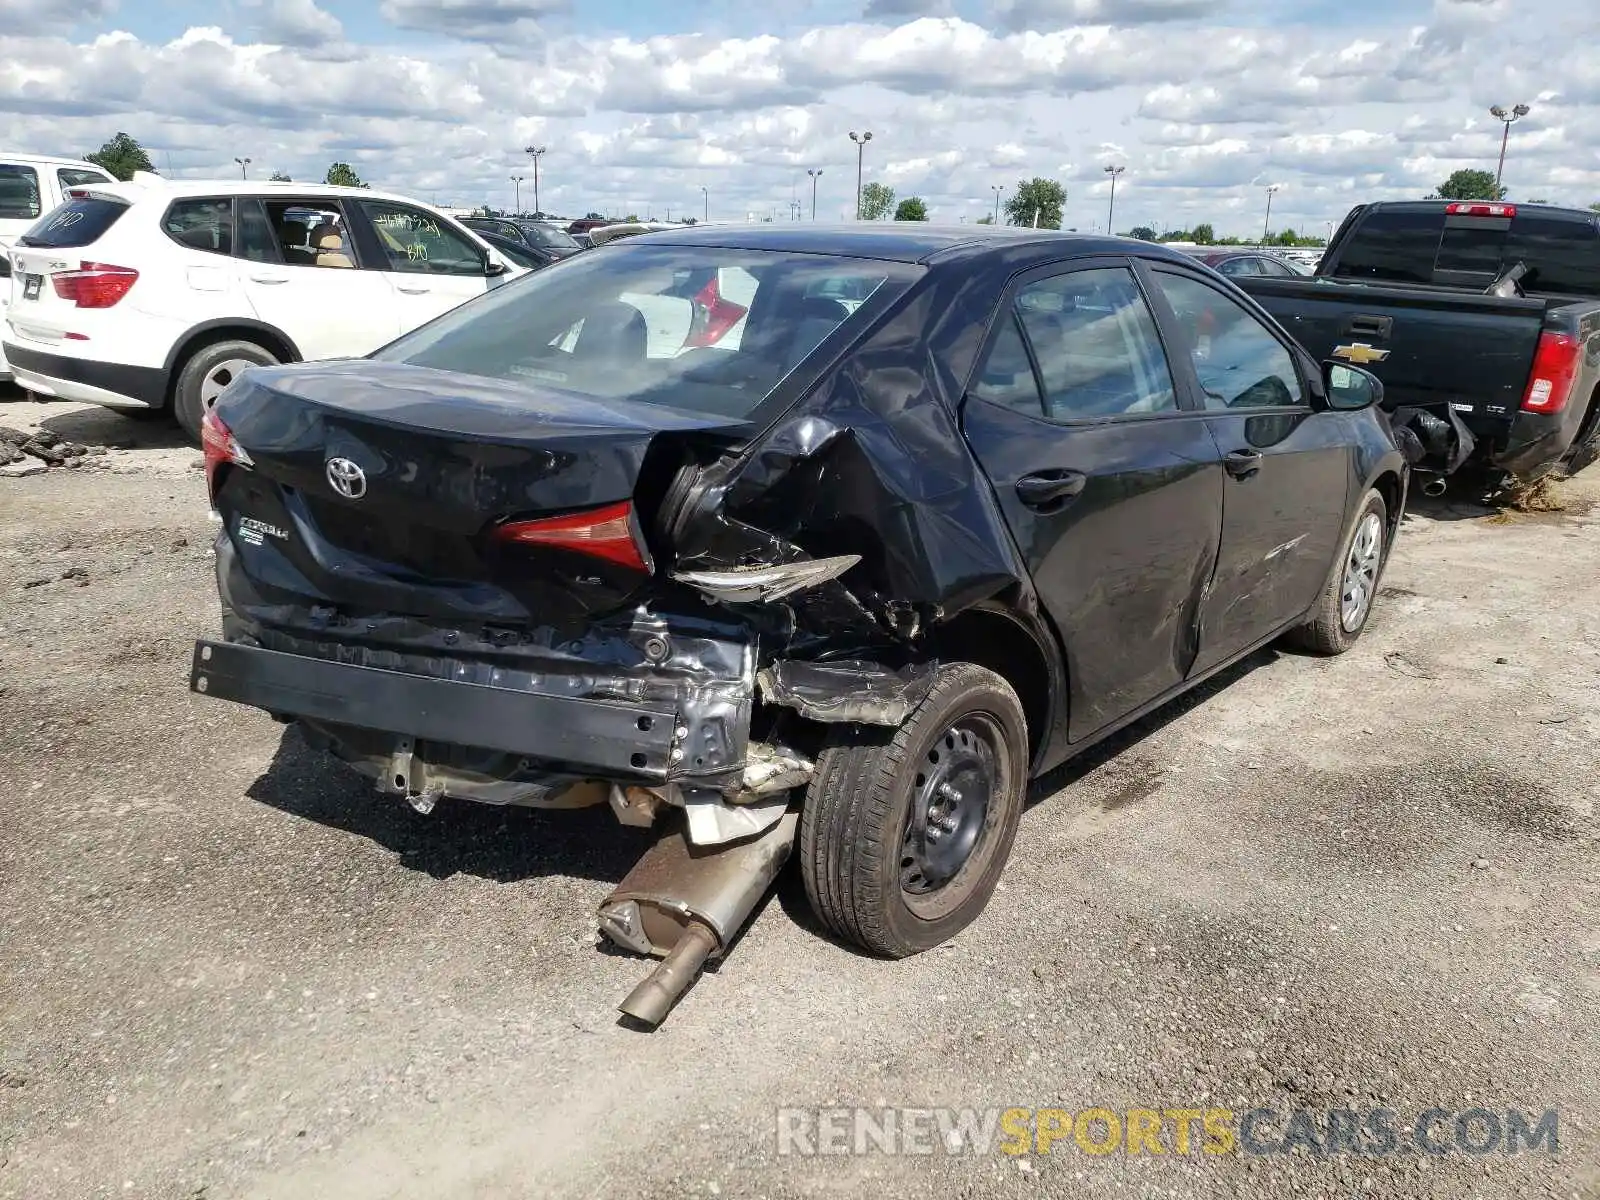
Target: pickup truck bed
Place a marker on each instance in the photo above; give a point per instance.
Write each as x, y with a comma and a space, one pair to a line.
1401, 292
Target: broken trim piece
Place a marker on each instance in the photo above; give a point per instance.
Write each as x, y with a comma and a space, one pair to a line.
849, 690
753, 584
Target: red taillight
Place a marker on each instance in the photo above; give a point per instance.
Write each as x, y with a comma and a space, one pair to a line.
1555, 367
1470, 209
712, 316
609, 533
94, 285
219, 446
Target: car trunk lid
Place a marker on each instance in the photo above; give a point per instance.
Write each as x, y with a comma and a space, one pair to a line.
418, 490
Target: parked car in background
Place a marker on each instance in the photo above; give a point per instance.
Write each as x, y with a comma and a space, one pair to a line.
30, 186
1482, 319
1233, 262
546, 240
827, 574
152, 294
518, 253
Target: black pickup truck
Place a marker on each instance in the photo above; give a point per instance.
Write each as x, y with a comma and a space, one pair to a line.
1482, 320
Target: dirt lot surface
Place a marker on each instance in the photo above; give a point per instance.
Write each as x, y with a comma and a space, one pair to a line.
227, 969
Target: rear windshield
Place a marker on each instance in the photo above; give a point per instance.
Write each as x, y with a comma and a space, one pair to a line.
554, 239
74, 223
701, 328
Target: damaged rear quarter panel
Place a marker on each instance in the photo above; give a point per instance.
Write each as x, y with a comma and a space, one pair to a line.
872, 461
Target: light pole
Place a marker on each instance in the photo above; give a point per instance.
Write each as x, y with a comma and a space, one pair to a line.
1113, 172
705, 200
536, 153
517, 179
1506, 119
999, 190
861, 140
815, 173
1267, 224
244, 167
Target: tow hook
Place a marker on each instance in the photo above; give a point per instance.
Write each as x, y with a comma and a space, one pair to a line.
686, 904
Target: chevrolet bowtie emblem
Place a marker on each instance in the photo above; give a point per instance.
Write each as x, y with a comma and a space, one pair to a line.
1360, 353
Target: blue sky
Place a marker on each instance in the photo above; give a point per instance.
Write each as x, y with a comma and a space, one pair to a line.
1204, 102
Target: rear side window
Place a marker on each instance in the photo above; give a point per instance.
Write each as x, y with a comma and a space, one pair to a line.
201, 224
19, 193
72, 177
1562, 254
1395, 245
78, 222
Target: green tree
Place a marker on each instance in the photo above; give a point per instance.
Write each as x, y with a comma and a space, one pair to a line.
1203, 235
279, 177
912, 208
877, 200
343, 175
122, 156
1469, 184
1039, 197
986, 219
1143, 233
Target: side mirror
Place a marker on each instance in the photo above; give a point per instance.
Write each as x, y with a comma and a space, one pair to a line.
495, 268
1350, 389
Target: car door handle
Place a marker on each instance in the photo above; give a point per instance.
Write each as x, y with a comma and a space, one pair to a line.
1369, 325
269, 279
413, 291
1047, 488
1242, 464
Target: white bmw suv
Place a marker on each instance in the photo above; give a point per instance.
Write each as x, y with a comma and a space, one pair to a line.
154, 294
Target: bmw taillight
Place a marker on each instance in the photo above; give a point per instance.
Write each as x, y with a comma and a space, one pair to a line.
220, 447
711, 317
94, 285
610, 532
1555, 369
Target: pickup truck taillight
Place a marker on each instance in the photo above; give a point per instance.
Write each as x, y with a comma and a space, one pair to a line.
1469, 209
1555, 367
94, 285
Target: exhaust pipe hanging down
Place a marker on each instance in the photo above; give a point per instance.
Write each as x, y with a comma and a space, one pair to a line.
687, 904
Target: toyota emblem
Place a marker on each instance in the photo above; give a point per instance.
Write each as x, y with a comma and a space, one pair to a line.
346, 478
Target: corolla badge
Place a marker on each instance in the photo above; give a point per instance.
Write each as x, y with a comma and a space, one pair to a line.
346, 478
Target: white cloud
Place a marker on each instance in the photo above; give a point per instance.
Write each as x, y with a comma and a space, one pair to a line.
957, 105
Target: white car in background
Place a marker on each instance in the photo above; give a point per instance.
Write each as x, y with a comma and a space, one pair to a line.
155, 294
30, 186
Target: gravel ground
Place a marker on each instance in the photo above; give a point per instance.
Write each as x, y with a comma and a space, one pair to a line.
227, 969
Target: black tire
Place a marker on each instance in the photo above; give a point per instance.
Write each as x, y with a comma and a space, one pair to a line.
1330, 631
188, 401
855, 824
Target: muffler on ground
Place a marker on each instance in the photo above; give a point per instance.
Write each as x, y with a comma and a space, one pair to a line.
686, 904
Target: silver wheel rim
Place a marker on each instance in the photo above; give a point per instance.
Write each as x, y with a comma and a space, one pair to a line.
219, 377
1361, 573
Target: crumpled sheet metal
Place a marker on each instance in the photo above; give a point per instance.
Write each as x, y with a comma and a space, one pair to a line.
847, 690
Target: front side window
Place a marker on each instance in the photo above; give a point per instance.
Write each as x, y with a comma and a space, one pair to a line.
201, 224
19, 193
707, 329
1239, 266
419, 243
1239, 362
1095, 345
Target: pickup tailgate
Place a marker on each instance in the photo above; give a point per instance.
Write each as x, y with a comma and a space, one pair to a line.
1430, 346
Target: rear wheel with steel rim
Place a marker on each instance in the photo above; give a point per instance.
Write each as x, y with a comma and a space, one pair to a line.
904, 832
1347, 598
208, 373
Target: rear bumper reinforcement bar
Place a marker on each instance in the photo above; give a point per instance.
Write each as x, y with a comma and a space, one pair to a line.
611, 737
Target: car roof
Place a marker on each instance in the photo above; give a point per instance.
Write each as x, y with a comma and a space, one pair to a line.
147, 186
46, 160
895, 241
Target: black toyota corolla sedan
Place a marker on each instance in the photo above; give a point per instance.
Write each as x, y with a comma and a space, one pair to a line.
770, 538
